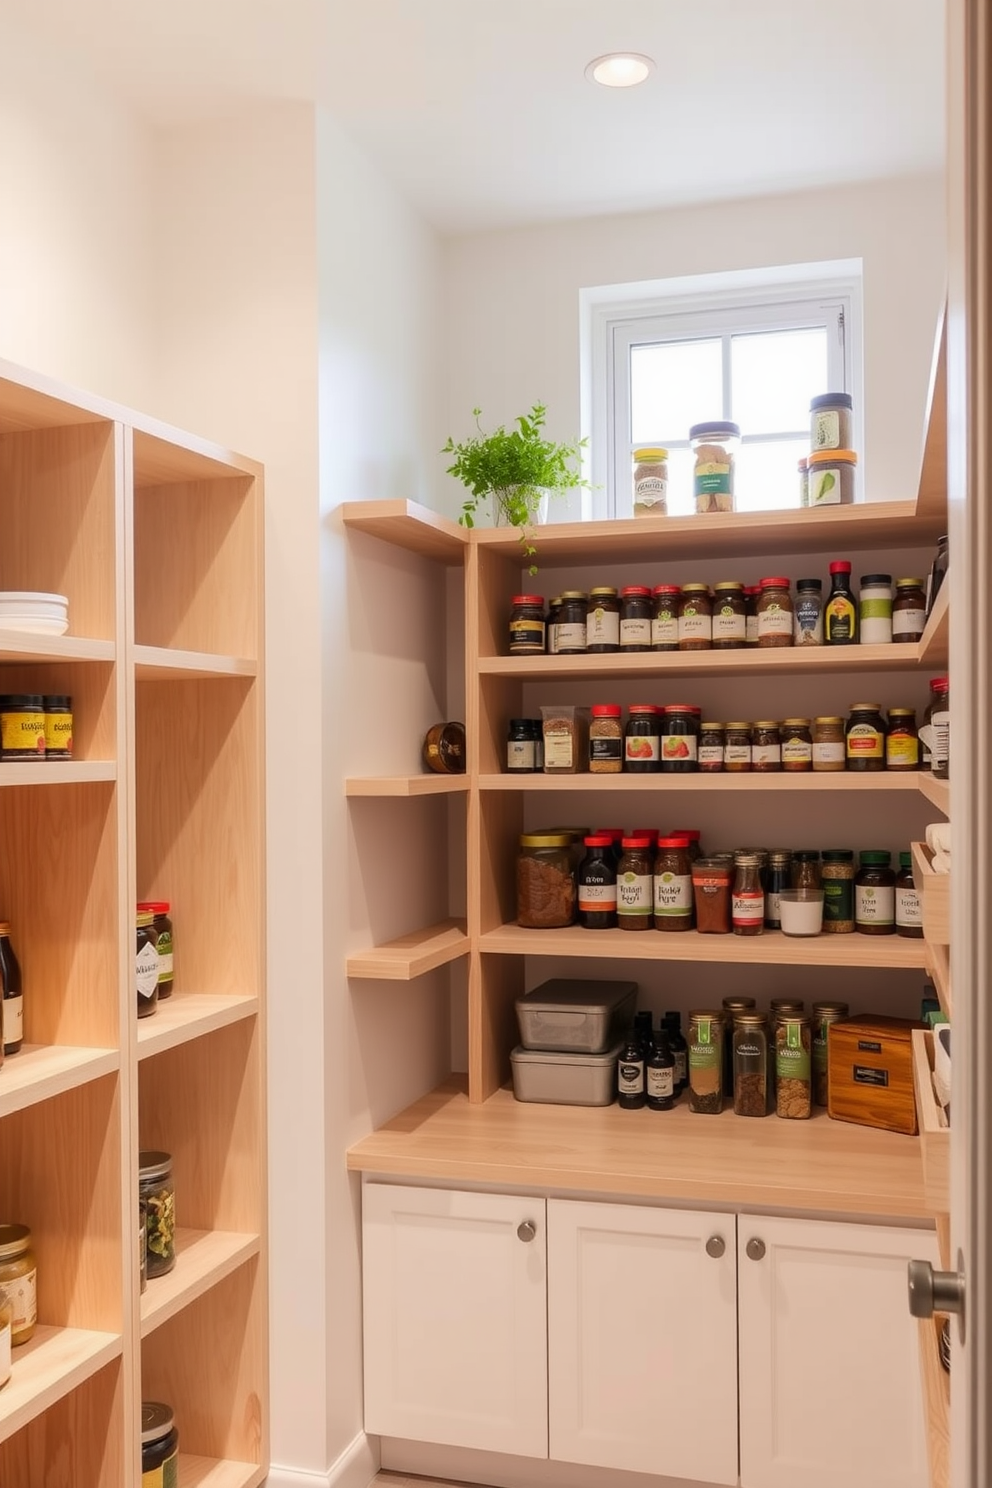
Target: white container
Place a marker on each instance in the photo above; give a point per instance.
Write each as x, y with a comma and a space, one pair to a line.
581, 1017
44, 614
801, 911
565, 1079
875, 610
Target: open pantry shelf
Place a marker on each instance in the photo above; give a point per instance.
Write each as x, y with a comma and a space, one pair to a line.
40, 1071
937, 792
57, 772
21, 646
53, 1362
164, 663
411, 955
203, 1257
935, 640
207, 1472
358, 786
189, 1015
843, 781
408, 525
697, 665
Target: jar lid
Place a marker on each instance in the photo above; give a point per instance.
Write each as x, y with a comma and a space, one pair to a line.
635, 844
679, 708
605, 710
655, 452
575, 594
740, 725
840, 567
940, 684
604, 591
872, 859
143, 918
599, 840
695, 588
827, 718
713, 726
868, 579
528, 599
838, 855
909, 583
779, 856
729, 584
831, 457
831, 1007
902, 712
744, 1003
27, 700
809, 583
750, 1018
805, 855
156, 1421
774, 584
831, 400
714, 1014
651, 708
866, 707
721, 426
154, 1164
556, 600
747, 860
787, 1005
765, 723
635, 591
795, 723
161, 906
545, 839
712, 865
673, 841
667, 589
56, 700
14, 1238
905, 861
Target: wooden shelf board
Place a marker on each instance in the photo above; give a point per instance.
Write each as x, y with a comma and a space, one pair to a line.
57, 772
934, 890
788, 660
738, 535
203, 1257
22, 645
55, 1361
164, 664
40, 1071
719, 784
29, 401
166, 456
935, 1134
411, 526
405, 785
189, 1015
823, 1165
937, 792
938, 959
936, 1403
771, 949
211, 1472
935, 641
411, 955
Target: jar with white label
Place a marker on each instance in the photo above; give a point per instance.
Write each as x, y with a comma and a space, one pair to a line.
665, 620
748, 897
673, 905
875, 610
729, 616
829, 743
875, 895
909, 912
651, 482
766, 746
909, 611
635, 885
603, 621
679, 739
19, 1279
570, 629
808, 613
146, 963
636, 614
642, 739
695, 618
797, 745
940, 729
775, 613
831, 421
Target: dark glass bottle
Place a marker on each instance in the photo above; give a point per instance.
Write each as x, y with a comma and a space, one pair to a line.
630, 1076
779, 878
672, 1025
643, 1033
597, 885
660, 1075
13, 1002
840, 613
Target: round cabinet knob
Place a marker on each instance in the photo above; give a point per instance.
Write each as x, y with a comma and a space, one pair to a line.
755, 1250
526, 1231
715, 1246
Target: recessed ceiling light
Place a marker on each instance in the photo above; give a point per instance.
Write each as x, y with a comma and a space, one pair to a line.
619, 69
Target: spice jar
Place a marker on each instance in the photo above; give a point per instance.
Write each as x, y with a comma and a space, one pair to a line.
159, 1446
940, 725
714, 446
751, 1085
751, 593
712, 880
808, 617
793, 1072
831, 477
766, 747
665, 622
695, 618
605, 740
831, 421
785, 1007
642, 739
145, 963
737, 748
6, 1328
635, 885
866, 737
824, 1013
837, 877
603, 621
22, 726
19, 1279
565, 731
527, 625
706, 1035
805, 869
909, 913
545, 881
597, 884
679, 739
875, 895
729, 616
779, 878
909, 611
875, 610
12, 1021
775, 613
570, 632
164, 947
797, 745
58, 727
636, 613
748, 903
521, 747
157, 1191
673, 885
829, 744
733, 1007
902, 740
711, 742
651, 482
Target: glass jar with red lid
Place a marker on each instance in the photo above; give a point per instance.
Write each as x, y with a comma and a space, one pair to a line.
162, 926
527, 625
636, 616
665, 620
776, 616
642, 739
679, 739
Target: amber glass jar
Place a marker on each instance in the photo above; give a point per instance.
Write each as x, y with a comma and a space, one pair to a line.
673, 885
766, 747
737, 748
902, 740
642, 740
829, 743
603, 621
19, 1279
679, 740
635, 885
865, 736
748, 904
775, 613
665, 621
751, 593
711, 743
695, 618
545, 881
712, 882
636, 613
571, 631
909, 912
527, 625
806, 869
797, 745
729, 616
875, 895
909, 611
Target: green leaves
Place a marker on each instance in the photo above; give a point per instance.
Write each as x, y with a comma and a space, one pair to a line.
512, 467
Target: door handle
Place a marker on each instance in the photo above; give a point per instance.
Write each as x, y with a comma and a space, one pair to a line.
755, 1249
933, 1291
715, 1246
526, 1231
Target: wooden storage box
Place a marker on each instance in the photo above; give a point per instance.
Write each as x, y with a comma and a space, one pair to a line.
935, 1134
871, 1072
934, 890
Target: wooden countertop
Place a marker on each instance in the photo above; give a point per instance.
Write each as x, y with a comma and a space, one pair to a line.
822, 1165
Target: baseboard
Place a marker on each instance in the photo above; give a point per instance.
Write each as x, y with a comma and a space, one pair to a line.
499, 1470
354, 1468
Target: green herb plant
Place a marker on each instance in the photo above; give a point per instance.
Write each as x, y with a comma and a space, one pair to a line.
511, 469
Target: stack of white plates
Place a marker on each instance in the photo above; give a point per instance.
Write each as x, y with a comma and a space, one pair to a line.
45, 614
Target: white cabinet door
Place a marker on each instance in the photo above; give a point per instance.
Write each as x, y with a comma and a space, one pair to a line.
455, 1300
642, 1325
829, 1355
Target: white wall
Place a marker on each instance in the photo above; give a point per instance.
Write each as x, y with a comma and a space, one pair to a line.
512, 301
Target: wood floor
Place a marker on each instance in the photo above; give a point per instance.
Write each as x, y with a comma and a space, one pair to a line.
399, 1480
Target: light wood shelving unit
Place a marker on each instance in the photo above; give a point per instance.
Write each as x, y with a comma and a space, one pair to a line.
156, 539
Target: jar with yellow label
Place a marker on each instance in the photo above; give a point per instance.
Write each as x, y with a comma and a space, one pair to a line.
22, 726
866, 737
797, 745
651, 482
159, 1446
58, 727
902, 741
19, 1279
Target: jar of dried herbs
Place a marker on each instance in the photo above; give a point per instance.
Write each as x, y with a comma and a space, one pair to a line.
157, 1191
732, 1006
673, 885
665, 620
635, 885
605, 740
824, 1013
545, 881
751, 1055
706, 1034
737, 748
793, 1069
837, 875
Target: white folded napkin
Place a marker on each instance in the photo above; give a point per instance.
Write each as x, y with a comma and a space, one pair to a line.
939, 837
941, 862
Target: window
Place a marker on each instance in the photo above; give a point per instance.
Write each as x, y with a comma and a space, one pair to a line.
755, 354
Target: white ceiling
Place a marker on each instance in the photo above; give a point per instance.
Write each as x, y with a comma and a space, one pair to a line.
480, 112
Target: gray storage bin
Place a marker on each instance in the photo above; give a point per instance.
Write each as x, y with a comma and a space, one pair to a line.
568, 1014
565, 1079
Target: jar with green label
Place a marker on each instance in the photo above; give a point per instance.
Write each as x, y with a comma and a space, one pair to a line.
714, 446
837, 878
875, 895
793, 1069
824, 1013
706, 1034
875, 610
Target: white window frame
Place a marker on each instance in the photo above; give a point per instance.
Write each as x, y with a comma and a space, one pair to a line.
616, 318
